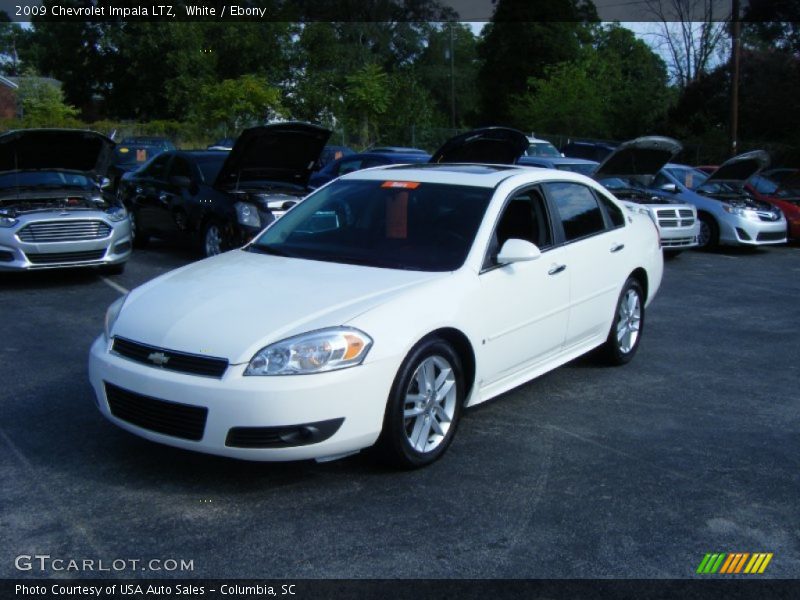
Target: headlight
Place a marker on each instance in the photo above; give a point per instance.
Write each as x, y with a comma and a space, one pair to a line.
8, 221
735, 210
247, 214
112, 314
313, 352
116, 213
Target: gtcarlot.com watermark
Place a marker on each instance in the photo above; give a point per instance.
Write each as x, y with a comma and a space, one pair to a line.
44, 563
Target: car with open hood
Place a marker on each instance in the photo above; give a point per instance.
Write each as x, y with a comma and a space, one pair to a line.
380, 307
364, 160
783, 194
54, 207
629, 171
727, 213
220, 200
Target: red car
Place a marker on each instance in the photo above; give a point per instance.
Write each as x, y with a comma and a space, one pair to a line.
784, 195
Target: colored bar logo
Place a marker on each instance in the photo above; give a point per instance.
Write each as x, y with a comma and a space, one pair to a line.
734, 562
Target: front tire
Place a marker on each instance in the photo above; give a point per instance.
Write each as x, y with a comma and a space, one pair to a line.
627, 327
424, 406
215, 240
138, 238
708, 239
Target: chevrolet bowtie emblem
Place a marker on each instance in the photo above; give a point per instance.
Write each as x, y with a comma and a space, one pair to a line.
158, 358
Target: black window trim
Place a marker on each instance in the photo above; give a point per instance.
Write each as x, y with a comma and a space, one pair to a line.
557, 242
559, 225
604, 209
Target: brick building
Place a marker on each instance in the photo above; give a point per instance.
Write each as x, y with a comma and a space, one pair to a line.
8, 98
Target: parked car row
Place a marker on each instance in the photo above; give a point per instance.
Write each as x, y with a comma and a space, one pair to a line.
219, 200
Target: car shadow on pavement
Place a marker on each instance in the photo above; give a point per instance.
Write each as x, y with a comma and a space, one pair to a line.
47, 279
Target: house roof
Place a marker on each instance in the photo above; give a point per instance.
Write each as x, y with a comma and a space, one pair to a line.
8, 83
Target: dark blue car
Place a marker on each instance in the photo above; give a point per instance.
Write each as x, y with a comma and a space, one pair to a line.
363, 160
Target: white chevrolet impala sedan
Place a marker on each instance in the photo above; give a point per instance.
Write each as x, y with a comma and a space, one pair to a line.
375, 310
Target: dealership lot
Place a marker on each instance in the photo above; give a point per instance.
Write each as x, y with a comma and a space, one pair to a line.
632, 472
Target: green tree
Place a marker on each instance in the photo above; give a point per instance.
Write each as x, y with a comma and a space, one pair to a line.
233, 104
434, 71
367, 96
43, 105
523, 40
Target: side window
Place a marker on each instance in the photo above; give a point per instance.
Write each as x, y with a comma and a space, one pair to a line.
157, 168
181, 167
578, 209
613, 212
524, 217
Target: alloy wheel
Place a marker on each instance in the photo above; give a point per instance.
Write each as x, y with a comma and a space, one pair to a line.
213, 240
430, 404
629, 321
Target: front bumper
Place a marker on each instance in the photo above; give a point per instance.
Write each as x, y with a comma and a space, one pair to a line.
679, 238
740, 230
18, 255
357, 395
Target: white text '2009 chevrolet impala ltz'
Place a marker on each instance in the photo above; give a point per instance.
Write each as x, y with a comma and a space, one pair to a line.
375, 310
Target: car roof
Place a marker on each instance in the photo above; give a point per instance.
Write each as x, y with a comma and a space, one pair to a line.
475, 175
557, 160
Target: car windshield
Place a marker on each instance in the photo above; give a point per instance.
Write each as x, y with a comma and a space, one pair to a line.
582, 168
389, 224
135, 154
44, 179
689, 177
542, 149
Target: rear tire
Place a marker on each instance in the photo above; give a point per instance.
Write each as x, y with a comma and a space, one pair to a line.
424, 406
627, 327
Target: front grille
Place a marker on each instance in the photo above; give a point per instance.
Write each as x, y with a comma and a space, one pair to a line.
670, 217
182, 362
675, 242
64, 231
64, 257
170, 418
771, 236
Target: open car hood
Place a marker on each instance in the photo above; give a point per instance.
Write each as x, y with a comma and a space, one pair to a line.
492, 145
740, 168
642, 157
283, 152
45, 149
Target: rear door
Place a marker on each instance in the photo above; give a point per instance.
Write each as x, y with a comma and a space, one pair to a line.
595, 254
146, 189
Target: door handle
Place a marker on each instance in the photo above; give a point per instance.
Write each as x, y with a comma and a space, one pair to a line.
163, 196
617, 247
556, 269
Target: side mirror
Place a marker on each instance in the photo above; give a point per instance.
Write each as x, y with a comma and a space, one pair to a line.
669, 187
515, 250
105, 183
180, 181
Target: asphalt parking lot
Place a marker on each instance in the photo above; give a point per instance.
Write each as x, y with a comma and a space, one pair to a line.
631, 472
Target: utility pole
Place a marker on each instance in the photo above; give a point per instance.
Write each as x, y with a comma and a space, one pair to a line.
452, 81
735, 52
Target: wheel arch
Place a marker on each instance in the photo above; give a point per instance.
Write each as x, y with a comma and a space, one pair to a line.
463, 347
640, 275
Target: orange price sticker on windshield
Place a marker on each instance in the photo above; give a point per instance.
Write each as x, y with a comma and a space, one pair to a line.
397, 216
403, 185
141, 155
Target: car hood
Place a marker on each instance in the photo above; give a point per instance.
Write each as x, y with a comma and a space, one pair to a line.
283, 152
53, 149
492, 145
643, 157
740, 168
234, 304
